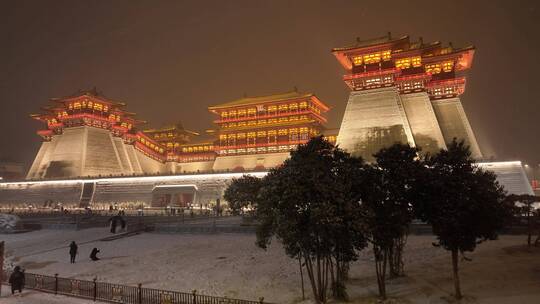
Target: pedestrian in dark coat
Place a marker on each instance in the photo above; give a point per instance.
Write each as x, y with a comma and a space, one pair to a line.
16, 280
93, 254
73, 248
114, 222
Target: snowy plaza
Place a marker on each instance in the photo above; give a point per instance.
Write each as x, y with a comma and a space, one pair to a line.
501, 271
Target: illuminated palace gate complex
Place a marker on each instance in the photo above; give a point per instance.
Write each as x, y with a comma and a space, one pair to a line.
89, 135
401, 91
404, 91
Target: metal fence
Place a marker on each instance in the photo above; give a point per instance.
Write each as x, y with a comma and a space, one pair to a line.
115, 293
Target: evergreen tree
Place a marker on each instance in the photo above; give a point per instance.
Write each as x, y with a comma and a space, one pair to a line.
465, 205
242, 193
310, 204
401, 171
525, 207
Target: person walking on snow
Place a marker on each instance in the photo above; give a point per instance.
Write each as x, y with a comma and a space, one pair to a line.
16, 280
73, 248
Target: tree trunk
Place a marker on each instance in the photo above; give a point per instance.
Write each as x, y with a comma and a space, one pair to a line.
311, 275
529, 229
381, 256
456, 274
301, 276
395, 257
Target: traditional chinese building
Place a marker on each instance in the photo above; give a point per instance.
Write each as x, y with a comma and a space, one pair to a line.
88, 134
404, 91
401, 91
260, 131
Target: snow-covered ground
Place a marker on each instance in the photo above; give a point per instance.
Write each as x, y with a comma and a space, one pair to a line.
35, 297
231, 265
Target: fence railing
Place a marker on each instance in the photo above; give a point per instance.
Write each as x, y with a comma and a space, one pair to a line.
116, 293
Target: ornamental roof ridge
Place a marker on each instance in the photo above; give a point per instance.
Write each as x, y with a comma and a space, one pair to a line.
371, 42
90, 93
261, 99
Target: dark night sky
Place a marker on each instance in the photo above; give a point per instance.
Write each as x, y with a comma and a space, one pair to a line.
170, 59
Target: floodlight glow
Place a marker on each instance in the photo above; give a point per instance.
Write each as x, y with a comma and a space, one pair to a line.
168, 178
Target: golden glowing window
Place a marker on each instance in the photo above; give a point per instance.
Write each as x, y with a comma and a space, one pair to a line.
261, 122
190, 149
386, 55
232, 125
293, 106
77, 105
90, 104
272, 108
105, 108
169, 134
241, 123
293, 118
283, 108
303, 130
372, 58
251, 134
357, 60
433, 68
124, 125
241, 135
176, 145
112, 117
252, 123
293, 130
446, 50
261, 134
184, 150
403, 63
283, 132
373, 81
232, 114
241, 113
303, 105
117, 118
447, 66
223, 137
283, 119
272, 133
272, 120
169, 145
231, 136
206, 148
224, 114
416, 61
251, 111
